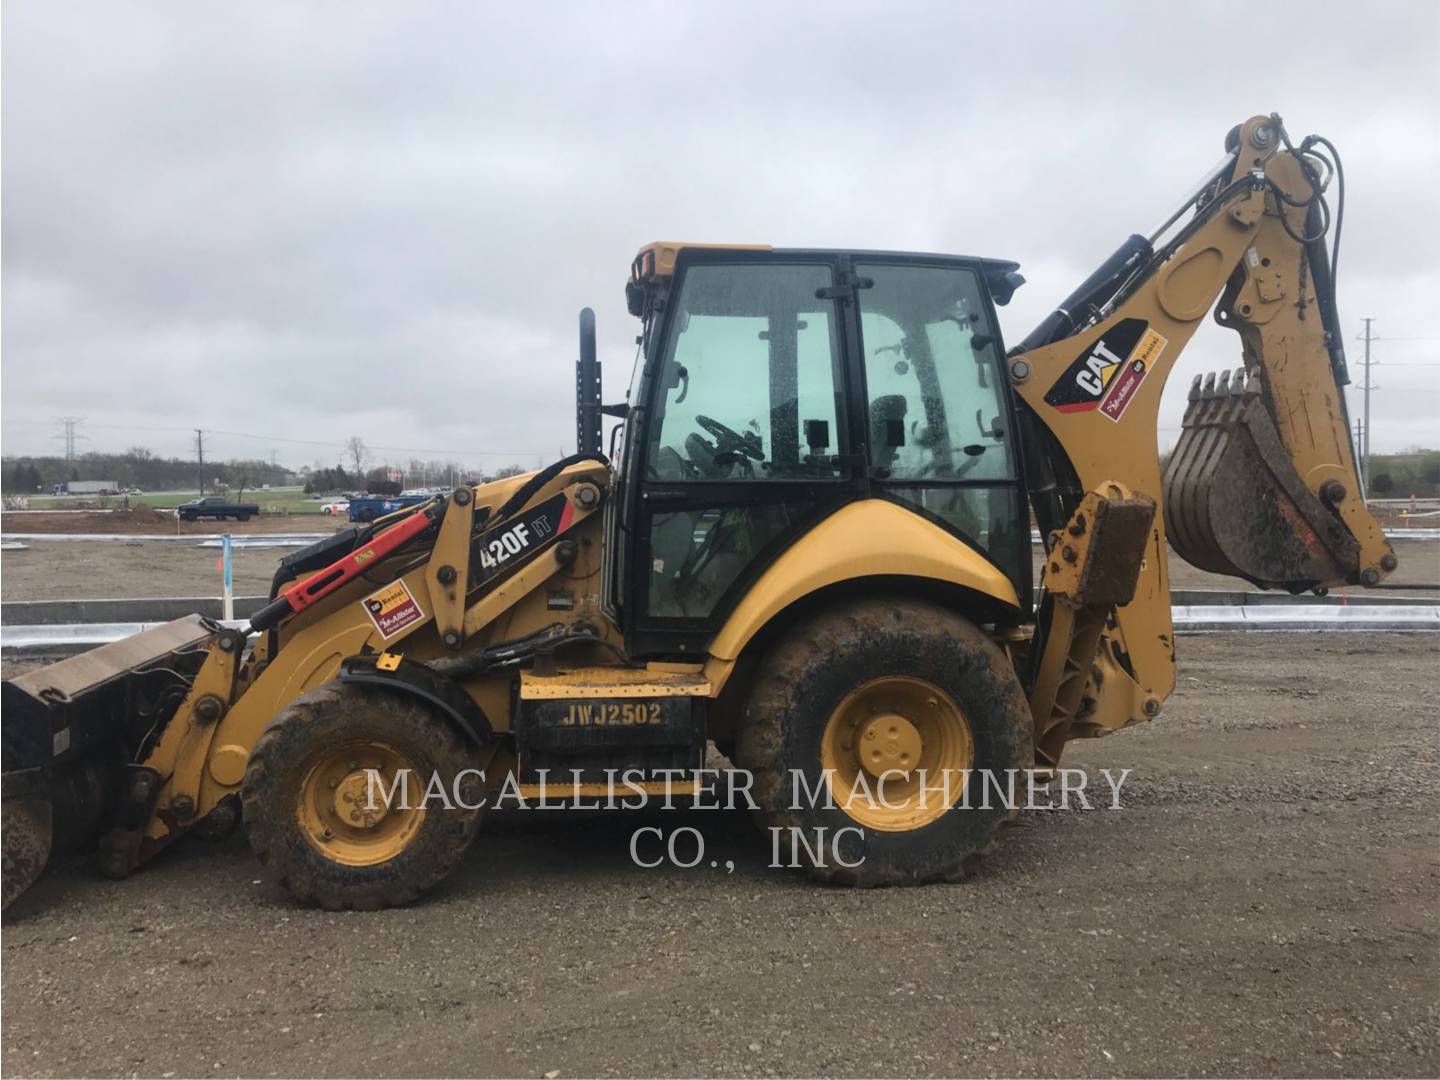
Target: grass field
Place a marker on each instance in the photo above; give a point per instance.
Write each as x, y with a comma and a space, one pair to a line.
276, 500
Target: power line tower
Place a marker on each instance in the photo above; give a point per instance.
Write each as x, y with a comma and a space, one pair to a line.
200, 456
69, 434
1365, 433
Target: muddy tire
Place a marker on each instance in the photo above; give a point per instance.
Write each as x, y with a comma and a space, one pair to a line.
313, 818
900, 678
220, 824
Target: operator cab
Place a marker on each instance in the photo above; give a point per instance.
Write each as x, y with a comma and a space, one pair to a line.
775, 386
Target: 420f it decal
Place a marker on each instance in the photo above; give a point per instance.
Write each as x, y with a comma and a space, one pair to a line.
1107, 375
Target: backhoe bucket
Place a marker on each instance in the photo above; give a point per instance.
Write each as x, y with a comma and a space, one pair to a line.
1234, 503
69, 729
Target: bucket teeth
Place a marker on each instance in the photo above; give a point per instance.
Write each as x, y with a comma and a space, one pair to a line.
1234, 503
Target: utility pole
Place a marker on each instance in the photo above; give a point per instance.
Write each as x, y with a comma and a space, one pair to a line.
69, 423
200, 456
1365, 435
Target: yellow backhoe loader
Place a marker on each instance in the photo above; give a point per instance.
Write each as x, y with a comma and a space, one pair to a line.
810, 543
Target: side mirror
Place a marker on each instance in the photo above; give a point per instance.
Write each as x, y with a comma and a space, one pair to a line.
1003, 286
635, 298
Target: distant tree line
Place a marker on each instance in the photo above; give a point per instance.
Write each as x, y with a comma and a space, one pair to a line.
328, 481
325, 481
139, 467
136, 467
1398, 476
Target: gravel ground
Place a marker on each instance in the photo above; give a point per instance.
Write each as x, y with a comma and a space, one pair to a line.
93, 570
1264, 904
85, 570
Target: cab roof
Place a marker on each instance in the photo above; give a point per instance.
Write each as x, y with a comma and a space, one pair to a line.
657, 259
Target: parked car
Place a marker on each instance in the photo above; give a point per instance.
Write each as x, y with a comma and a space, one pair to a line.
339, 506
213, 506
370, 507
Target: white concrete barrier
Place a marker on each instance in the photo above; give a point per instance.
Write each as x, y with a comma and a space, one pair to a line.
199, 539
63, 640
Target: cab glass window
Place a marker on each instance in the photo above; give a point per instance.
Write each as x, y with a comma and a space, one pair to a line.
748, 379
936, 410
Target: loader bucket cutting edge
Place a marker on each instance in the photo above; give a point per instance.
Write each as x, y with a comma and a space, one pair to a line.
25, 832
1234, 503
69, 727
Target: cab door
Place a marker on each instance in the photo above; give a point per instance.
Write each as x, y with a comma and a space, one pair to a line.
941, 427
745, 440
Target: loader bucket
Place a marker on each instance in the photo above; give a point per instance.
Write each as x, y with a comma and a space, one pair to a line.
1234, 503
70, 728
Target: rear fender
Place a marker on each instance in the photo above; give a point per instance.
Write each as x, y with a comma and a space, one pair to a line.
873, 538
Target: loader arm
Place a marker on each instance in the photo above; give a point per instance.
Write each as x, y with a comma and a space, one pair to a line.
177, 710
1262, 484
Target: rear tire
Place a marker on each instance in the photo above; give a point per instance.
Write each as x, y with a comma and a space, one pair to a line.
304, 786
916, 680
242, 517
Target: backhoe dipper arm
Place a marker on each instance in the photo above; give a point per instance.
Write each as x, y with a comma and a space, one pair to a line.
1262, 484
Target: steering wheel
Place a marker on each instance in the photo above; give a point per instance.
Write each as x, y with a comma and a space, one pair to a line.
730, 441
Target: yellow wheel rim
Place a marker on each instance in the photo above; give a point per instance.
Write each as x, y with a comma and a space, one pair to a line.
897, 753
346, 816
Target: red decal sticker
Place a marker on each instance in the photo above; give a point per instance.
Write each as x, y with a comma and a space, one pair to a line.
1122, 390
392, 609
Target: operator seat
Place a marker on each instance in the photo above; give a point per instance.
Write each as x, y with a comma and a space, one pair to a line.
887, 430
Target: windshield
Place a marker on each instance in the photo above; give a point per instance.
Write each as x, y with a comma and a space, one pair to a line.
749, 381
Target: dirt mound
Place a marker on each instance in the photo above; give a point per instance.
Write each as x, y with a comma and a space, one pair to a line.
115, 521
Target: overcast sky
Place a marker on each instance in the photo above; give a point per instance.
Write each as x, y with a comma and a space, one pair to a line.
303, 221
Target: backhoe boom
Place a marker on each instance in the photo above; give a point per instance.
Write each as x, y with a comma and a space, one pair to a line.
1262, 483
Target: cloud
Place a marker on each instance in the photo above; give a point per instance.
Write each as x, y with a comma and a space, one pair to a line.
308, 221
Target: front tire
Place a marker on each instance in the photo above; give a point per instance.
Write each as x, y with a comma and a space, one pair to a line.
308, 806
892, 698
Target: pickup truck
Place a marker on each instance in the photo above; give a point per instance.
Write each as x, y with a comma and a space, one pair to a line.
213, 506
